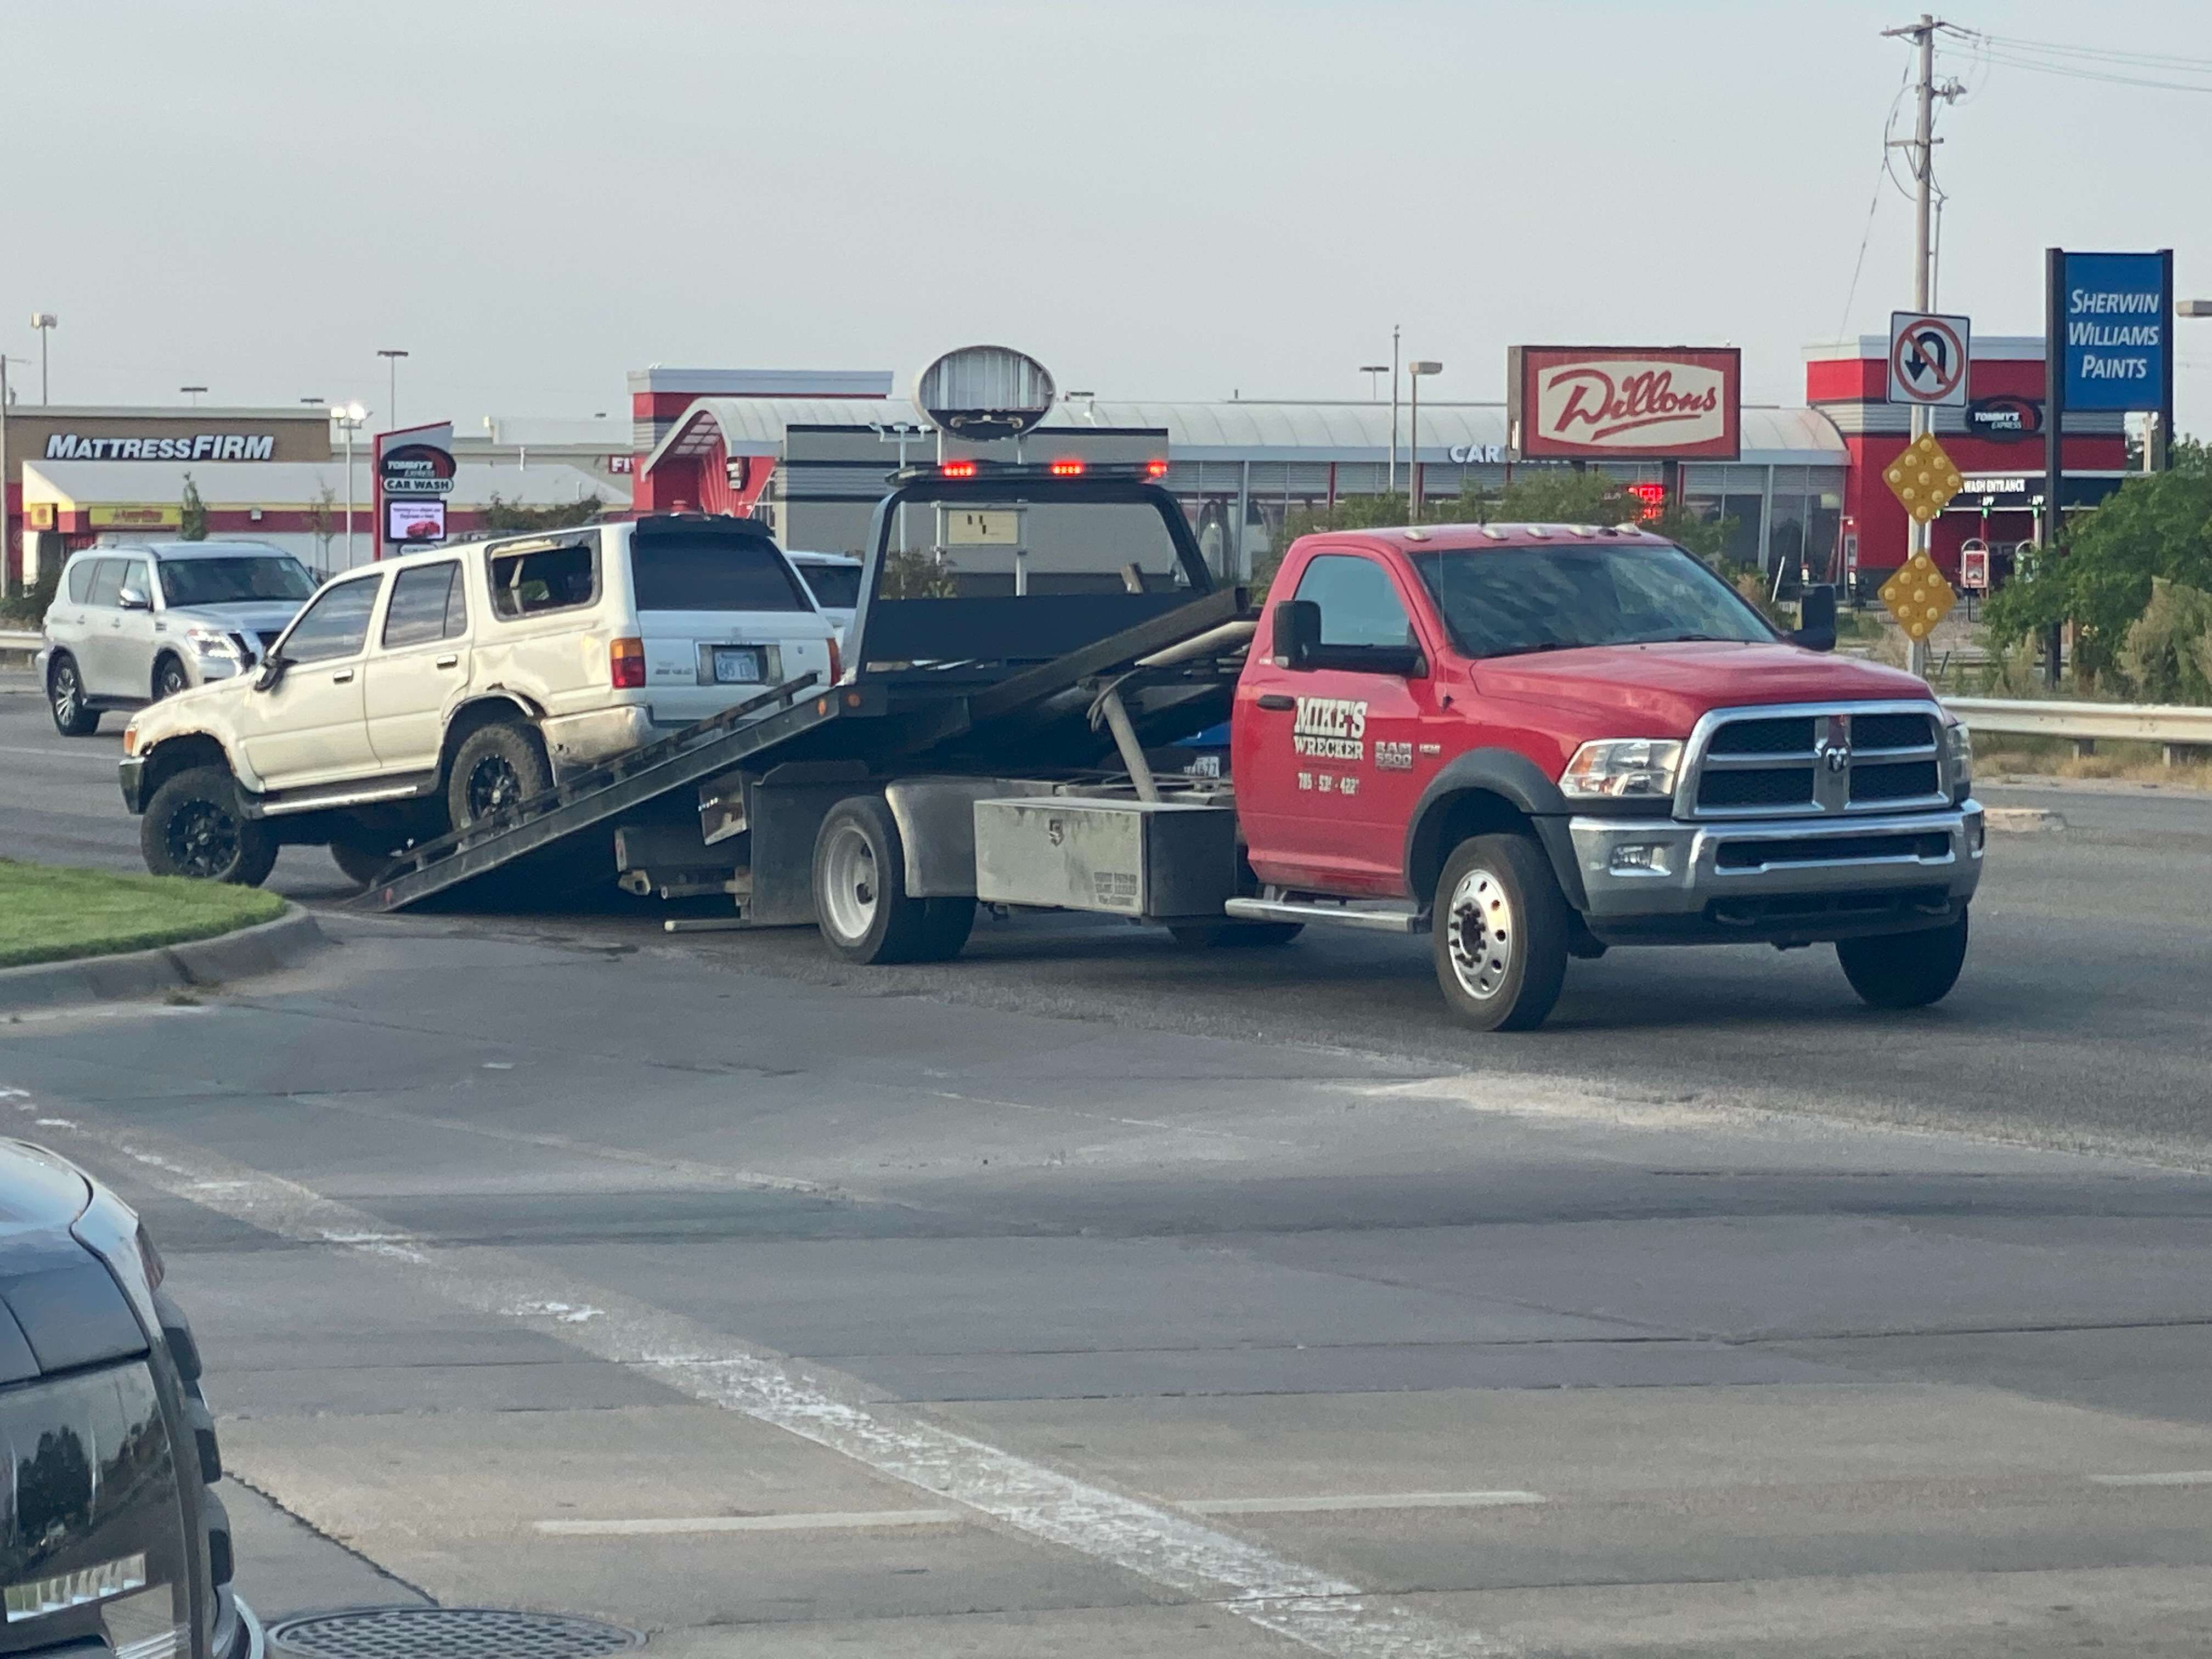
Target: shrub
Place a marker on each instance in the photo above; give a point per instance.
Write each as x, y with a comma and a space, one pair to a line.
2166, 654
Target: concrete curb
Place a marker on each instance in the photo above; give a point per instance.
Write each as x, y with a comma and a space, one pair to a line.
261, 949
2022, 820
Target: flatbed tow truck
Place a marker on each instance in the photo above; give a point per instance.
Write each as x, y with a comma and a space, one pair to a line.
1528, 742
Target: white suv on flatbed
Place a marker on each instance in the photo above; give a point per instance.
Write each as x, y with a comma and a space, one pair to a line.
436, 689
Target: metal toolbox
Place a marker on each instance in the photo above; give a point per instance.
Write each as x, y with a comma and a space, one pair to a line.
1151, 860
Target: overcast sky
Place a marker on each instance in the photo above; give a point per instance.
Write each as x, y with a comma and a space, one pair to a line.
1161, 200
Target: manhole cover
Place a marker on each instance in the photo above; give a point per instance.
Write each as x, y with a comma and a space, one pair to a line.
447, 1632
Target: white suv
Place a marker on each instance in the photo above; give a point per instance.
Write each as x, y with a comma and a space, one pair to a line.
132, 624
439, 688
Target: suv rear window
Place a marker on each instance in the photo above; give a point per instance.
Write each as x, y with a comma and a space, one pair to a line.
541, 579
711, 569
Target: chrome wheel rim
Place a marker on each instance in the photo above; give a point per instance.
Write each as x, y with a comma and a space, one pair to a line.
65, 694
850, 888
202, 841
1480, 933
493, 788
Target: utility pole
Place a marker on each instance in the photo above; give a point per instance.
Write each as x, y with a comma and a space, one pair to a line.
1922, 150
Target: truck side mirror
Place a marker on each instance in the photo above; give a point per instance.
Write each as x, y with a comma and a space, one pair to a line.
1297, 632
1816, 619
272, 670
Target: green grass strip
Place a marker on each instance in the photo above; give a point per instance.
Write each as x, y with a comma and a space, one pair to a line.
50, 914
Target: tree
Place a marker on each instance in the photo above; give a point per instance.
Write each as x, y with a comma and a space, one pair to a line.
191, 513
322, 520
916, 572
2155, 524
505, 518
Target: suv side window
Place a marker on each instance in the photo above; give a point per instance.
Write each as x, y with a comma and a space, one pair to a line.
529, 582
1359, 602
106, 582
80, 580
336, 624
426, 606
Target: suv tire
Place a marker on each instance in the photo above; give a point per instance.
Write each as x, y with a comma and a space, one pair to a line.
861, 901
361, 861
496, 768
73, 717
169, 677
1905, 970
195, 827
1500, 934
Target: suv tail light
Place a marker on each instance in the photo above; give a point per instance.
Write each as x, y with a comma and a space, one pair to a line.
836, 661
626, 664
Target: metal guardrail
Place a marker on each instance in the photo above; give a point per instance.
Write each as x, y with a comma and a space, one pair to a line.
2176, 725
14, 640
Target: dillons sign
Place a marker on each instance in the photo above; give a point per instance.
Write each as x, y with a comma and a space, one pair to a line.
1564, 402
203, 447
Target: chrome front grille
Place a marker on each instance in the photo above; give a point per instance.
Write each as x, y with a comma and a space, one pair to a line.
1813, 758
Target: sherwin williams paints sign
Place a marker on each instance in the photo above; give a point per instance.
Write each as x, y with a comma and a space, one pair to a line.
2115, 315
1624, 402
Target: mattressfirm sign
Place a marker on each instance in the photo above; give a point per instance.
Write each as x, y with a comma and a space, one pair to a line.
1624, 402
2115, 311
199, 446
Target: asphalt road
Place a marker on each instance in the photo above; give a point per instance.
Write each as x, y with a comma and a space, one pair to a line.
2083, 1020
1084, 1297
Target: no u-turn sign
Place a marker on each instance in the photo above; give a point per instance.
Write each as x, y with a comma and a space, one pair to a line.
1928, 359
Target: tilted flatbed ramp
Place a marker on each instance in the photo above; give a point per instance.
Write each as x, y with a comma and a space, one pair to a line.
886, 723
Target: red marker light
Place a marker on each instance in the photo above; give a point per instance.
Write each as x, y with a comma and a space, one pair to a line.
1066, 469
1155, 469
956, 469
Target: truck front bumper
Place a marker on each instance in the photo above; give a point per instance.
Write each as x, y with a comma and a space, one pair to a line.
131, 775
1783, 880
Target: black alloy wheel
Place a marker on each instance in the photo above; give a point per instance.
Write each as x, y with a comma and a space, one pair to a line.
168, 678
202, 841
492, 787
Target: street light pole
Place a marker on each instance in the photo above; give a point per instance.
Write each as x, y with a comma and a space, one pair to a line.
1371, 370
45, 322
1415, 371
194, 392
391, 398
1393, 410
349, 417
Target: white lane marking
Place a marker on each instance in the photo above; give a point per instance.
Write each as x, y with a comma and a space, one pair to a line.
1318, 1611
1109, 1117
2173, 1478
753, 1523
64, 754
1383, 1500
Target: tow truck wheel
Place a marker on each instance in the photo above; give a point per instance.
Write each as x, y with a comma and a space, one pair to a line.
861, 901
1500, 934
1905, 970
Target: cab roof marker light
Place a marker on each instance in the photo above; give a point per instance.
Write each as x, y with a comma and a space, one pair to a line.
1066, 469
1416, 535
1540, 533
1494, 532
1582, 530
1155, 469
956, 470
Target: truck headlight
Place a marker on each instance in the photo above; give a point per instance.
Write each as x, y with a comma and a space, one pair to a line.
1622, 769
1959, 744
211, 642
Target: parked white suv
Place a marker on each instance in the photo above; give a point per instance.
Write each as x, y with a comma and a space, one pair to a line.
834, 579
440, 689
131, 624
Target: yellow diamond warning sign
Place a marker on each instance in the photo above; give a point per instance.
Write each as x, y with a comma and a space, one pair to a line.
1917, 596
1923, 479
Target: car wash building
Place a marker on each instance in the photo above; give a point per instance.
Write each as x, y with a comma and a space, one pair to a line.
1996, 442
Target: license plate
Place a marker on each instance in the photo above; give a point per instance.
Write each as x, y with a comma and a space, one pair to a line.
736, 665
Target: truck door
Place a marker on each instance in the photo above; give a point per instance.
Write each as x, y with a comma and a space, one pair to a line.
1324, 756
420, 664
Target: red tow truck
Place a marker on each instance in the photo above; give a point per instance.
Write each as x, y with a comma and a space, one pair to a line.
1529, 743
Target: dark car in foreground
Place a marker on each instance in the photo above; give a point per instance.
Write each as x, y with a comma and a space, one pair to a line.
110, 1541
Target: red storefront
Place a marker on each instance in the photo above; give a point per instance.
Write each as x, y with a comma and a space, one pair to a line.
1996, 442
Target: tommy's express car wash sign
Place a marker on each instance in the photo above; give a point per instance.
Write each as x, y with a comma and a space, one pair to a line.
1624, 402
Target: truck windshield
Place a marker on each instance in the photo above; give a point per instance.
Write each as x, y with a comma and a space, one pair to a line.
1505, 601
233, 581
710, 568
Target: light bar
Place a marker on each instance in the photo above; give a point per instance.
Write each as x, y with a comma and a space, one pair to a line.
1066, 469
956, 470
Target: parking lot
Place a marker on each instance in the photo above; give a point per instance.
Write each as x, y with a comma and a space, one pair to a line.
1086, 1296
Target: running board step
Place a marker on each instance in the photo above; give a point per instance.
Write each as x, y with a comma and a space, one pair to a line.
1391, 919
